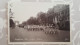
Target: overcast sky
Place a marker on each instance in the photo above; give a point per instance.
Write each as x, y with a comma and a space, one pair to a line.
23, 11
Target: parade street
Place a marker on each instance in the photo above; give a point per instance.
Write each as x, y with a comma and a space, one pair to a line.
23, 35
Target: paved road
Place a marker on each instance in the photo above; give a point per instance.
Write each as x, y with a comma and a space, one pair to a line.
23, 35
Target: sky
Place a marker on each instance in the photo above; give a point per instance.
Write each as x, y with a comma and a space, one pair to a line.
23, 11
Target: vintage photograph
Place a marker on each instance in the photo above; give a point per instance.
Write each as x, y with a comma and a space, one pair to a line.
39, 22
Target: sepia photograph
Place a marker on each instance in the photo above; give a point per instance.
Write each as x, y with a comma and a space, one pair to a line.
38, 22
